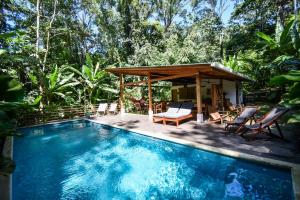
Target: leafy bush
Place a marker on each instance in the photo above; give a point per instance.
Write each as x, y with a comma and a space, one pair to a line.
292, 98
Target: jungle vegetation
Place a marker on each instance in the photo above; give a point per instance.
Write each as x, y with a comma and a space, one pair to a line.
57, 50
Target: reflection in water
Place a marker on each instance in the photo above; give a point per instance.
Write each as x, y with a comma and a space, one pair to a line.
234, 188
37, 131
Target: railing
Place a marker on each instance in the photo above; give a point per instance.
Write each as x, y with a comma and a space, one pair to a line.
266, 95
26, 117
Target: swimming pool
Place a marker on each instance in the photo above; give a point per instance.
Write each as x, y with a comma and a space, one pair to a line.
85, 160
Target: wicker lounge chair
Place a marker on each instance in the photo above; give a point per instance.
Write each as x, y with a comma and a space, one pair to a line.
246, 115
266, 122
113, 108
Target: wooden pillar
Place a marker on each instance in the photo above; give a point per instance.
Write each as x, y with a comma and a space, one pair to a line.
150, 110
198, 93
122, 105
199, 98
214, 100
237, 98
221, 95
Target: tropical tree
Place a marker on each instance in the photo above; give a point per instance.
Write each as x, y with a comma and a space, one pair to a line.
57, 84
92, 80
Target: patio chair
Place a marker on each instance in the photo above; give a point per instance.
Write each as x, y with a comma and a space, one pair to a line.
102, 109
139, 105
173, 109
246, 115
113, 108
266, 122
184, 112
159, 107
219, 116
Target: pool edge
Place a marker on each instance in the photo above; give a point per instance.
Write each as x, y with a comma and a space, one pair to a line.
296, 182
6, 181
54, 122
295, 168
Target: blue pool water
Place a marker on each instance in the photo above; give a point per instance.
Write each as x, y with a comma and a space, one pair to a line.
85, 160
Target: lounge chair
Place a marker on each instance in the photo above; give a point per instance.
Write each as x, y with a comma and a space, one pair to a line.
219, 116
266, 122
173, 109
184, 112
246, 115
102, 109
113, 108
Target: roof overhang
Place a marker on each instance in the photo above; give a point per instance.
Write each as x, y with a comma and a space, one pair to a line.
206, 70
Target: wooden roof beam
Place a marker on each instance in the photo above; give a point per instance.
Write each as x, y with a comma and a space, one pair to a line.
160, 79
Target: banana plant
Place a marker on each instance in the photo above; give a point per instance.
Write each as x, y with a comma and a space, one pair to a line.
57, 84
92, 79
285, 47
232, 62
292, 97
282, 42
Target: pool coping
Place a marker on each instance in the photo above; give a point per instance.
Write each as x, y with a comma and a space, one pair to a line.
295, 168
6, 181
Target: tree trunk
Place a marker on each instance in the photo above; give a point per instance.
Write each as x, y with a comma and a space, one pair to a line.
48, 34
2, 17
39, 72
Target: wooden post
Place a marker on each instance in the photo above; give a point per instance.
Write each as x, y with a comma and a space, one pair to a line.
237, 98
213, 97
221, 95
150, 110
122, 105
199, 98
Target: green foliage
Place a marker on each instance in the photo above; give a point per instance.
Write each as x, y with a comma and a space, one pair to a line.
63, 61
232, 62
92, 79
11, 100
292, 97
10, 89
57, 84
11, 93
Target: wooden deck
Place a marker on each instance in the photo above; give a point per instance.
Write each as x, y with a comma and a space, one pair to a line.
214, 135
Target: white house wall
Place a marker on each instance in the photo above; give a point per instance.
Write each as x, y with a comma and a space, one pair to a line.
229, 88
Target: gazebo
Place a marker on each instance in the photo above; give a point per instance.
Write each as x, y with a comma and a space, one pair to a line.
183, 73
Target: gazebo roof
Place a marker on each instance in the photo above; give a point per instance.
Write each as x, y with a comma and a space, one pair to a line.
206, 70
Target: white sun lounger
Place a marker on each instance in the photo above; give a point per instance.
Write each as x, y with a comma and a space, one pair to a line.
113, 108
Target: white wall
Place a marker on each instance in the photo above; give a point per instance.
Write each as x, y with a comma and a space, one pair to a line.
230, 89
